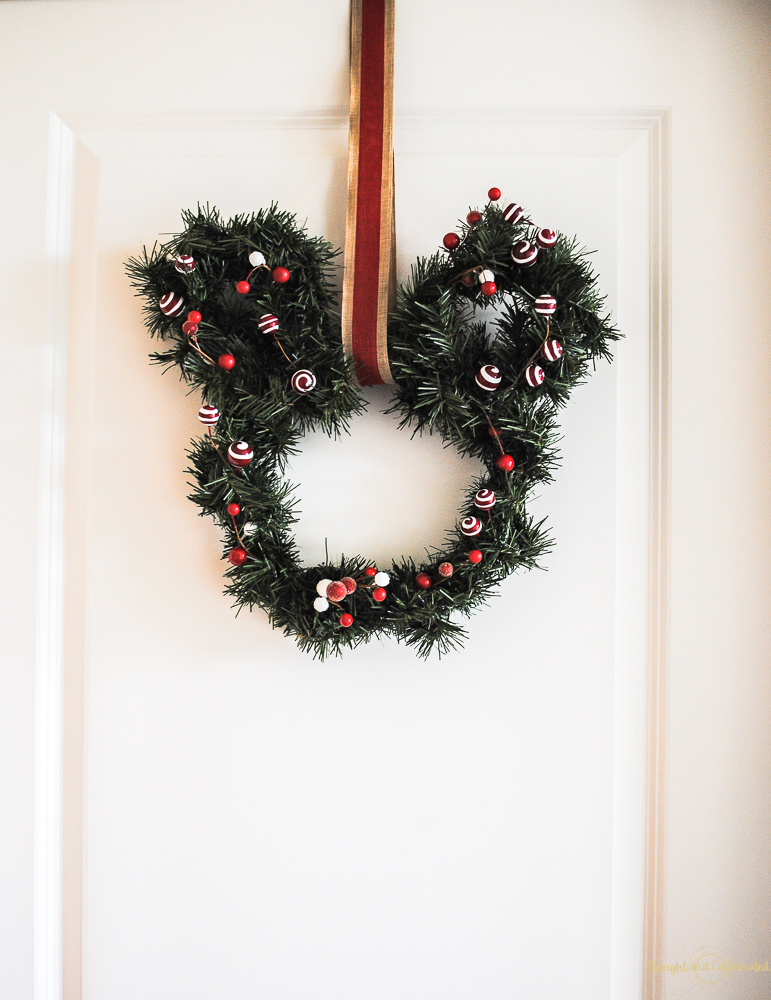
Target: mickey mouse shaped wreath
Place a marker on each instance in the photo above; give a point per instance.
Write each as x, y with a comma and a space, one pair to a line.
247, 309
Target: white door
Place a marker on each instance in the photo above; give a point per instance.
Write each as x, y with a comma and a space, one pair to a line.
216, 814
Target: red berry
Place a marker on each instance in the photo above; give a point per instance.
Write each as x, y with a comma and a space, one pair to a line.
370, 571
451, 241
194, 317
280, 275
238, 556
494, 194
473, 217
243, 287
445, 569
350, 583
336, 591
468, 280
493, 432
189, 328
506, 463
423, 580
489, 288
226, 361
346, 620
379, 594
475, 556
233, 509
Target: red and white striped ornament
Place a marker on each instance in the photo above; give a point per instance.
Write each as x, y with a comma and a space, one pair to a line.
240, 454
513, 213
524, 253
171, 304
484, 499
534, 376
208, 415
545, 305
551, 349
184, 263
470, 526
488, 378
268, 323
303, 381
546, 238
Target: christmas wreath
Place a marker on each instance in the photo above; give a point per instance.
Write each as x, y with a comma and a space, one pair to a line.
247, 311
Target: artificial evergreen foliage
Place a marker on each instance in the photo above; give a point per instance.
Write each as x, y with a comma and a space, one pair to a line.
437, 341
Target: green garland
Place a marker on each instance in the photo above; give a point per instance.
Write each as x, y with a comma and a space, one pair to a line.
436, 345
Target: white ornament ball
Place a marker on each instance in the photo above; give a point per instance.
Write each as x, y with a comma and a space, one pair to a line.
488, 378
545, 305
534, 375
303, 381
256, 259
321, 588
486, 276
382, 579
171, 304
484, 499
208, 414
470, 526
268, 323
320, 604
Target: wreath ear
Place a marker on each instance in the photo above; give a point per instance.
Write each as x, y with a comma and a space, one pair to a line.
246, 311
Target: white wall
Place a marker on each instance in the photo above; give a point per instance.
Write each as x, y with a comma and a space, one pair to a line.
709, 64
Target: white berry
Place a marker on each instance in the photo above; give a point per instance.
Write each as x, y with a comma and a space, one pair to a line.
486, 276
382, 579
321, 604
256, 259
321, 587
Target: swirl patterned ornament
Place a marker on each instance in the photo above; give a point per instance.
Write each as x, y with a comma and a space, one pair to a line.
484, 499
469, 380
303, 381
488, 378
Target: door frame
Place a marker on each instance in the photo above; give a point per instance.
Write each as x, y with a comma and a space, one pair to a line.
74, 144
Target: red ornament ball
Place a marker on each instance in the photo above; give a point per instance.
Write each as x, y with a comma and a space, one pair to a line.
303, 381
370, 571
467, 280
475, 556
489, 288
346, 620
243, 287
470, 526
473, 217
545, 305
189, 328
208, 415
268, 323
505, 463
226, 362
513, 213
484, 499
488, 378
233, 509
494, 194
451, 241
379, 594
350, 584
238, 556
194, 317
280, 275
524, 253
336, 590
423, 580
445, 569
534, 376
